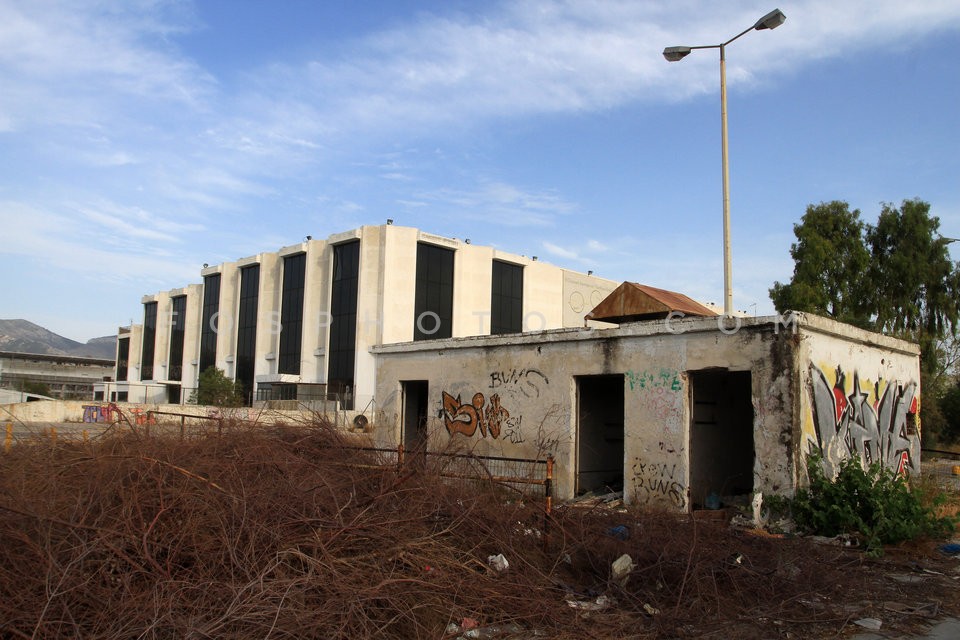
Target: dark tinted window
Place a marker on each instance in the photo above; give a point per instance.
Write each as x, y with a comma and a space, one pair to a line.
343, 316
506, 301
208, 327
247, 328
149, 340
291, 313
123, 358
178, 323
433, 306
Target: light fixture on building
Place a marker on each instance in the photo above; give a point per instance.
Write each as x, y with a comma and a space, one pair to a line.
205, 265
308, 239
467, 241
389, 220
590, 273
534, 258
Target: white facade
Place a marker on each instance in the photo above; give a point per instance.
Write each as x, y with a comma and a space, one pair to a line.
385, 292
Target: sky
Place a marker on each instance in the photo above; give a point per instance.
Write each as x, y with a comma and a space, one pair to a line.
140, 139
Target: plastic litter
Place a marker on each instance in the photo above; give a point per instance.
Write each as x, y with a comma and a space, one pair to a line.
621, 568
498, 563
620, 532
869, 623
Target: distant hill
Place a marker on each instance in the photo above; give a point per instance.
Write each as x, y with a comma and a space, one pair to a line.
24, 336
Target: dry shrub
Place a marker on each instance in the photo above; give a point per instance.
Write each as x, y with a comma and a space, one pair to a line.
287, 532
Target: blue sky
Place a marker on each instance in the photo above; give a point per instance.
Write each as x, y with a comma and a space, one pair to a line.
140, 139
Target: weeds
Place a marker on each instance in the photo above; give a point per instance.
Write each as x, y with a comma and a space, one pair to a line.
873, 503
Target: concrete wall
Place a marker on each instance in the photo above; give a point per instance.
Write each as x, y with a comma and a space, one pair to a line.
860, 397
518, 397
707, 408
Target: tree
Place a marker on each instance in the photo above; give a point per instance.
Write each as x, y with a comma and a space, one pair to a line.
215, 388
917, 283
38, 388
830, 265
895, 277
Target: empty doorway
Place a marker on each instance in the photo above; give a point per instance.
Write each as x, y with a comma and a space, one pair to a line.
415, 394
721, 436
599, 433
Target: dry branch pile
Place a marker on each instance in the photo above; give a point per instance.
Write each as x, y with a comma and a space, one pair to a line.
282, 532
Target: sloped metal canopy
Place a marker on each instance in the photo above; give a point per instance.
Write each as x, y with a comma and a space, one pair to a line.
631, 302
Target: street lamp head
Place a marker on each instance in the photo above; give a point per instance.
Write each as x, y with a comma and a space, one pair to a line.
770, 21
673, 54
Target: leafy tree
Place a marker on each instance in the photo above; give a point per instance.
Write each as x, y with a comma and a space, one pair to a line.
32, 386
918, 285
215, 388
830, 265
895, 277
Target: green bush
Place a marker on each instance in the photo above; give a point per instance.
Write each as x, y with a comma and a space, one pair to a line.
873, 503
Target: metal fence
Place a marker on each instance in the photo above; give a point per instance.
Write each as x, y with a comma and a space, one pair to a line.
943, 467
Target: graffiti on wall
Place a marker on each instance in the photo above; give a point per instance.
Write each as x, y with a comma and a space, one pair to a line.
478, 414
656, 480
527, 382
873, 422
658, 396
99, 412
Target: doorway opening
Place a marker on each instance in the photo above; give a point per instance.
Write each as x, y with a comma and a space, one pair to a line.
721, 438
415, 397
599, 433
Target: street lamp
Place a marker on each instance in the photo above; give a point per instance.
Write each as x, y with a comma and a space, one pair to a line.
770, 21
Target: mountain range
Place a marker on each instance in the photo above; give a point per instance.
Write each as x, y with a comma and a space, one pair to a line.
23, 336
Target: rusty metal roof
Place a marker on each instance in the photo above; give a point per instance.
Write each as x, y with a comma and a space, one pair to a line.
632, 301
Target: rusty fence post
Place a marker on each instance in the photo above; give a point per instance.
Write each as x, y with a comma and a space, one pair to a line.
548, 500
8, 440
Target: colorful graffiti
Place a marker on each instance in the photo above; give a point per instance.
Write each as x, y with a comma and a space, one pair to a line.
868, 421
467, 418
99, 413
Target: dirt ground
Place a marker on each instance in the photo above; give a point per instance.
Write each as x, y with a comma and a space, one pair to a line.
286, 533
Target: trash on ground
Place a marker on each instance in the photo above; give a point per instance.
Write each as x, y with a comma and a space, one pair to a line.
498, 563
620, 532
869, 623
653, 611
599, 604
621, 568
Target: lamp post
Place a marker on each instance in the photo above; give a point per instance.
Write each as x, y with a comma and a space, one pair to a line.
673, 54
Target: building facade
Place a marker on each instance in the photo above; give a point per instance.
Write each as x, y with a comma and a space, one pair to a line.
298, 324
671, 410
67, 377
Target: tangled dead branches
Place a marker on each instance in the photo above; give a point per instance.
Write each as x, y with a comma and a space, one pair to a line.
285, 532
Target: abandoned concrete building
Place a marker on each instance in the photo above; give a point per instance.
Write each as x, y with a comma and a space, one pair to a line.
626, 387
672, 409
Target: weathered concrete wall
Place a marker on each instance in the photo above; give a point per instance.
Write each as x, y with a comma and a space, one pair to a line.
517, 396
59, 411
860, 397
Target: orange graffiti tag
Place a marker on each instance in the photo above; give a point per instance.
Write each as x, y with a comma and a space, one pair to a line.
464, 418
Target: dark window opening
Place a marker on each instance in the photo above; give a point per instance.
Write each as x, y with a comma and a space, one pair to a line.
123, 358
291, 313
178, 325
208, 327
506, 300
247, 329
343, 320
149, 340
433, 305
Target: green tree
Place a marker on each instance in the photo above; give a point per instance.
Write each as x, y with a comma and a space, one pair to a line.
830, 265
895, 277
215, 388
32, 386
917, 284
